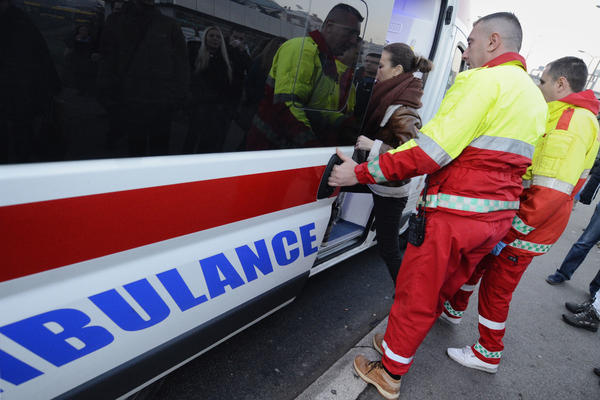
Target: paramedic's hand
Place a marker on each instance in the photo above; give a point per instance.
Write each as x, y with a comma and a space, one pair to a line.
364, 143
498, 248
343, 174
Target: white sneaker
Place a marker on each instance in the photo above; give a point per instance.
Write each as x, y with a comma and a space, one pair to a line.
445, 318
464, 356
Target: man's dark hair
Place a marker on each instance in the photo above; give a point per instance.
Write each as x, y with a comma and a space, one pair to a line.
573, 69
374, 55
343, 8
508, 25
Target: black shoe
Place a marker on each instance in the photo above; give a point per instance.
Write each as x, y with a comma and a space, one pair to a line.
576, 308
597, 371
555, 279
587, 319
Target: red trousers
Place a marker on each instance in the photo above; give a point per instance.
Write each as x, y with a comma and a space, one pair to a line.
430, 274
499, 277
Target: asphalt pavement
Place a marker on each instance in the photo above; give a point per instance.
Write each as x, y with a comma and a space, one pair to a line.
305, 350
544, 358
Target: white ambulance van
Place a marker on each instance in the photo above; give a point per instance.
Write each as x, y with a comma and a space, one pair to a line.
115, 269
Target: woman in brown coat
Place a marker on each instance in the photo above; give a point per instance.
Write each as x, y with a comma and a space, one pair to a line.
392, 119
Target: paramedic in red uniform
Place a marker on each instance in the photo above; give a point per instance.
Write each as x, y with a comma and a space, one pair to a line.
475, 150
561, 163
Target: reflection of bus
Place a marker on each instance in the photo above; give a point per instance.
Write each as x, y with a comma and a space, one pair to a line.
117, 270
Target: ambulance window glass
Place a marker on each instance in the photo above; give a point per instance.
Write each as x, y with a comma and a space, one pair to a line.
104, 83
458, 65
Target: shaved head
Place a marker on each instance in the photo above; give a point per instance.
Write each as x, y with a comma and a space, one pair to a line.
506, 25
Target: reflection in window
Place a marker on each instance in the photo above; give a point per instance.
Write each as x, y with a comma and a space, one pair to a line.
458, 65
137, 78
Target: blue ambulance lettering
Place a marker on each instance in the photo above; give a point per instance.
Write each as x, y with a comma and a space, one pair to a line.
116, 307
179, 291
64, 335
16, 371
34, 334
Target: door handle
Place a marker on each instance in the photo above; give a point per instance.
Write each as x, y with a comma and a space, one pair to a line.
324, 189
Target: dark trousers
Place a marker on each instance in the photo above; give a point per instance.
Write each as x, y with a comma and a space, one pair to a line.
148, 129
208, 128
580, 249
388, 211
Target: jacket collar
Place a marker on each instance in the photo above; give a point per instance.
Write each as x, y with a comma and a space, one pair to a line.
325, 54
585, 99
510, 58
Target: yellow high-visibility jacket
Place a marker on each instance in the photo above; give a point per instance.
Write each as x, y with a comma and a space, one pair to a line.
301, 104
561, 162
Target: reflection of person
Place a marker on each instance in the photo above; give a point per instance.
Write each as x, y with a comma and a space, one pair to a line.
240, 60
392, 119
81, 57
254, 85
28, 83
282, 120
475, 150
560, 165
364, 83
211, 81
143, 75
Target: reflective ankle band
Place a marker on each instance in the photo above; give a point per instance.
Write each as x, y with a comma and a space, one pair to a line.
487, 354
452, 311
467, 203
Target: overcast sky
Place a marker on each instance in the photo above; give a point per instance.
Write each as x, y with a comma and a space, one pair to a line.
551, 28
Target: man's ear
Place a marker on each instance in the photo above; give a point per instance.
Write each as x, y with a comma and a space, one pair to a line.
495, 42
563, 83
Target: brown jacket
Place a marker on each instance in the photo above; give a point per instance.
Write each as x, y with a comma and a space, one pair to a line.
403, 125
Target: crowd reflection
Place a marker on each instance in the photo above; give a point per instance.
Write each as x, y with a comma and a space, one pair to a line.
131, 82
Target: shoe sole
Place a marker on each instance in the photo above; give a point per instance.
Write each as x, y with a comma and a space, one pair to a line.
376, 346
589, 328
478, 367
554, 283
382, 392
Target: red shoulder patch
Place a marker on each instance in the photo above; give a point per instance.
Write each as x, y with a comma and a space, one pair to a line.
565, 119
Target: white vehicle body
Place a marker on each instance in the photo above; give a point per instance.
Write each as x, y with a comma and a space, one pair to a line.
117, 271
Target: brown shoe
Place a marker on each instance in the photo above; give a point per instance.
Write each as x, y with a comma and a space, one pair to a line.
372, 372
377, 340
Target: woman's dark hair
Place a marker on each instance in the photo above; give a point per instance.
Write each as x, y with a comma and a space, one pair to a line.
402, 54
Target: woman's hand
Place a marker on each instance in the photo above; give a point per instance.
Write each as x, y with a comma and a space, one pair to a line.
363, 143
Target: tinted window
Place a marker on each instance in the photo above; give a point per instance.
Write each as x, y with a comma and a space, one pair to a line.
84, 79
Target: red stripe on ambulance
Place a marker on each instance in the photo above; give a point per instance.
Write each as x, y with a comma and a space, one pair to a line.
49, 234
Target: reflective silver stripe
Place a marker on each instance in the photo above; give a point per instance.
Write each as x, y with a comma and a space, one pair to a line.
486, 353
584, 174
504, 144
375, 171
521, 226
283, 97
553, 183
451, 310
491, 324
530, 246
468, 288
433, 150
394, 356
526, 183
467, 203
